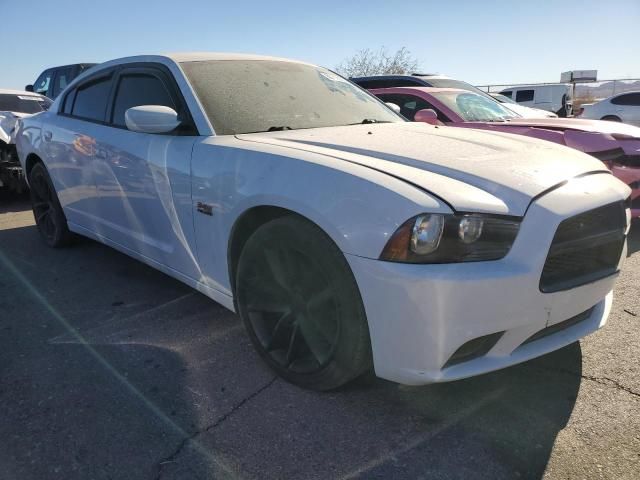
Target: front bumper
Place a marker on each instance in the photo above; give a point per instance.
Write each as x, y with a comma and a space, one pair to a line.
419, 315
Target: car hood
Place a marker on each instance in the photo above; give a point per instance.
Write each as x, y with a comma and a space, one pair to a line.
528, 112
469, 169
583, 125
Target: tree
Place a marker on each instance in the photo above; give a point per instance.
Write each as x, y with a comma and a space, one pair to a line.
368, 62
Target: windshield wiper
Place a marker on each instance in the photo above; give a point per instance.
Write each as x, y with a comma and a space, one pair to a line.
279, 129
370, 120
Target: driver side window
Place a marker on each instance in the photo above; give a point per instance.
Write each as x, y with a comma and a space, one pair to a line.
136, 89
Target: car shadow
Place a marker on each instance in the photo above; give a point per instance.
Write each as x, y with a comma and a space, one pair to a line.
110, 369
13, 202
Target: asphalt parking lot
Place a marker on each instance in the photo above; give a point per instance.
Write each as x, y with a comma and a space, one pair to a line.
112, 370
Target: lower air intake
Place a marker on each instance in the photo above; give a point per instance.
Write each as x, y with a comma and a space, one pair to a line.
473, 349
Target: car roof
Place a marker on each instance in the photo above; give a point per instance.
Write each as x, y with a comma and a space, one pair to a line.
185, 57
182, 57
8, 91
539, 85
425, 89
624, 93
58, 67
399, 76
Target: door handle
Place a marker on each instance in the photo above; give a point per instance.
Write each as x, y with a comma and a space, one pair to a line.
47, 135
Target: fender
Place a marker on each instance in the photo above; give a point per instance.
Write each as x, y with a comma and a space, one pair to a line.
233, 176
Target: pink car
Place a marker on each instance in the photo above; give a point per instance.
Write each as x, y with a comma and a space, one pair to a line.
616, 144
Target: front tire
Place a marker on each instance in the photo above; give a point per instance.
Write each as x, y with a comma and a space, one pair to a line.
611, 118
301, 306
47, 211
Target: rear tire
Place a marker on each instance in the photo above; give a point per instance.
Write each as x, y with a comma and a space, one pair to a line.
611, 118
301, 306
47, 211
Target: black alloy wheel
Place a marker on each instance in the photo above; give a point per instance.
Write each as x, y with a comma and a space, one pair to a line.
301, 306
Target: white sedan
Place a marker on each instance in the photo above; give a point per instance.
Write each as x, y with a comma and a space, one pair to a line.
345, 237
624, 107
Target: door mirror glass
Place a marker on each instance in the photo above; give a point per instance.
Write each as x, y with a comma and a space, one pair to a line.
427, 115
151, 119
393, 106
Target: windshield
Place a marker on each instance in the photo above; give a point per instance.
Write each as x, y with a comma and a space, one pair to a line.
23, 103
248, 96
475, 108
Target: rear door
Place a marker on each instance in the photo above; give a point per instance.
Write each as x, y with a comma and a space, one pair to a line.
69, 143
144, 180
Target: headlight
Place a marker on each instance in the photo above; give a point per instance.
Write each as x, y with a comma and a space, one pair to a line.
436, 238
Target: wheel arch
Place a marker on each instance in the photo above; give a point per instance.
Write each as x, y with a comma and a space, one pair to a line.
29, 163
247, 223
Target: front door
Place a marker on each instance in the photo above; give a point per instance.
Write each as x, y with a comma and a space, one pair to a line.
143, 180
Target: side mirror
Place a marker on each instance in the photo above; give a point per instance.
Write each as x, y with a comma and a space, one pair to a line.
151, 119
29, 88
393, 106
427, 115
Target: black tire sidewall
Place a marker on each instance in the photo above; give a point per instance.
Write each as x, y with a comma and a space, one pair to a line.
352, 354
62, 235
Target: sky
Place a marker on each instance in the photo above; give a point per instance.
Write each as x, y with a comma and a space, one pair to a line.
481, 42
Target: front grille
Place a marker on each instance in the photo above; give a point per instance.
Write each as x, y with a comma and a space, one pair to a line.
545, 332
585, 248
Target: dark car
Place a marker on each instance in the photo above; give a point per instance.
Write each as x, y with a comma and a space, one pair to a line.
414, 80
53, 80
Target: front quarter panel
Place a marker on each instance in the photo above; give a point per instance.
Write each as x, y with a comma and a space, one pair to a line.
359, 208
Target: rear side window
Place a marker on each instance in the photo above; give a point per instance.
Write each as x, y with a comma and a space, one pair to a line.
524, 96
91, 100
627, 99
506, 93
139, 89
